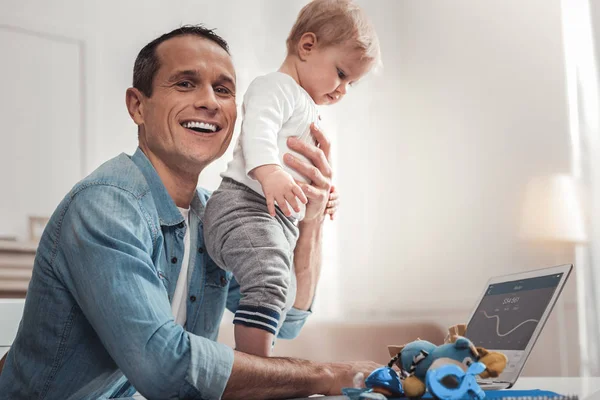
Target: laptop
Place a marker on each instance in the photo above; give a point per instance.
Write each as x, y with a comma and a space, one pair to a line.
510, 315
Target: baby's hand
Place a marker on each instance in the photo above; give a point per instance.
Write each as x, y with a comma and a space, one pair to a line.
279, 186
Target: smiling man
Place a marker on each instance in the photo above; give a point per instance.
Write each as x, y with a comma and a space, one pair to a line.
123, 295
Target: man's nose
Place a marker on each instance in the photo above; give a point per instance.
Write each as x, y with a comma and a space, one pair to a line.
207, 99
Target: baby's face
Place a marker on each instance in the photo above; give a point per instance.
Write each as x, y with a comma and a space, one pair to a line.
328, 72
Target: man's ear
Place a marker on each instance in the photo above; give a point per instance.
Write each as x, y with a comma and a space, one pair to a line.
306, 45
135, 106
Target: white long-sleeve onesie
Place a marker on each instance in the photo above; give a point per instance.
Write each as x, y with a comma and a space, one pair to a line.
275, 107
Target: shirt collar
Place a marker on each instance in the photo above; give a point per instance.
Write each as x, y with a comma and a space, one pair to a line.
168, 213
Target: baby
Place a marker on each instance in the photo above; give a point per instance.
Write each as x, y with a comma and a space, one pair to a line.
250, 222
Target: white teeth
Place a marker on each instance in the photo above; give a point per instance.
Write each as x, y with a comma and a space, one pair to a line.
201, 125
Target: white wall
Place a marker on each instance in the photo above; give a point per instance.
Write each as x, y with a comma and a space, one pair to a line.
470, 105
36, 128
432, 155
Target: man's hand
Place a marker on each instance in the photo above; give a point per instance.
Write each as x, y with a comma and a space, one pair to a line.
333, 203
279, 186
319, 172
342, 374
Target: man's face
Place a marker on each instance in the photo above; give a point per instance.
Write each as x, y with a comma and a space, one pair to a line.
188, 120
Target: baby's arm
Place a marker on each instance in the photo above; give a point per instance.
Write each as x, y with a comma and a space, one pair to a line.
268, 104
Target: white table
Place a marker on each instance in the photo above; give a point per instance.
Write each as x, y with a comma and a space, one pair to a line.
585, 388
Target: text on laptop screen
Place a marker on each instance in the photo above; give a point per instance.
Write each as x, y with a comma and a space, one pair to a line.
510, 311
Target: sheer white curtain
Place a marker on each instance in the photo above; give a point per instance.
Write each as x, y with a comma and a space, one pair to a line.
582, 86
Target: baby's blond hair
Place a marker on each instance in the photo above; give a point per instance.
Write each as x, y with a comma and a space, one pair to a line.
335, 22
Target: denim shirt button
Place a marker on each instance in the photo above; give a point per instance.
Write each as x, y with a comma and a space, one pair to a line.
180, 225
174, 260
192, 298
223, 281
201, 250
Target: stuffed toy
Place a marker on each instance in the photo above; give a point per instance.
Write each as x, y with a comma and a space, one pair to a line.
493, 360
448, 371
415, 359
451, 382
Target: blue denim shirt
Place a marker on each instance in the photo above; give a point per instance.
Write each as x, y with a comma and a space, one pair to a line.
97, 321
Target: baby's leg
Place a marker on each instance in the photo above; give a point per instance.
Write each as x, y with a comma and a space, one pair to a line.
243, 238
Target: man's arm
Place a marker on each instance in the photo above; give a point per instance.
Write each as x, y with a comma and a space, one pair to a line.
255, 377
308, 254
307, 262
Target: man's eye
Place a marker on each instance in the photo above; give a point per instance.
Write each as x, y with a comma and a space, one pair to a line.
341, 73
185, 84
223, 90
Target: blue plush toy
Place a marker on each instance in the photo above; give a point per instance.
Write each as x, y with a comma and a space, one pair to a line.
415, 359
385, 381
448, 371
451, 382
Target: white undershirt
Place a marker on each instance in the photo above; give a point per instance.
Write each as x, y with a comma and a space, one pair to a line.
179, 303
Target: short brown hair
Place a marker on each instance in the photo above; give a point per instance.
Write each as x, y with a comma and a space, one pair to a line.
335, 22
147, 63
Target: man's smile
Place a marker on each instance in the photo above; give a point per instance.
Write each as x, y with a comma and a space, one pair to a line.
201, 126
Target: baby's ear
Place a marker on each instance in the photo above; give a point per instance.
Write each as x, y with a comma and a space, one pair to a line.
395, 350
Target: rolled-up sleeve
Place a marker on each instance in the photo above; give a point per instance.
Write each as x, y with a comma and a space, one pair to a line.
294, 319
210, 366
107, 240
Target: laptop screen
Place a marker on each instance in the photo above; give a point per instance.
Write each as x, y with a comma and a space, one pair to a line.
509, 312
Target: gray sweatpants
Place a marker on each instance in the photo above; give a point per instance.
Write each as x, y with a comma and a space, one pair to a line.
242, 237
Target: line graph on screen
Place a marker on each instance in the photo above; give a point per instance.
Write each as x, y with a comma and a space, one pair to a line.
510, 331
